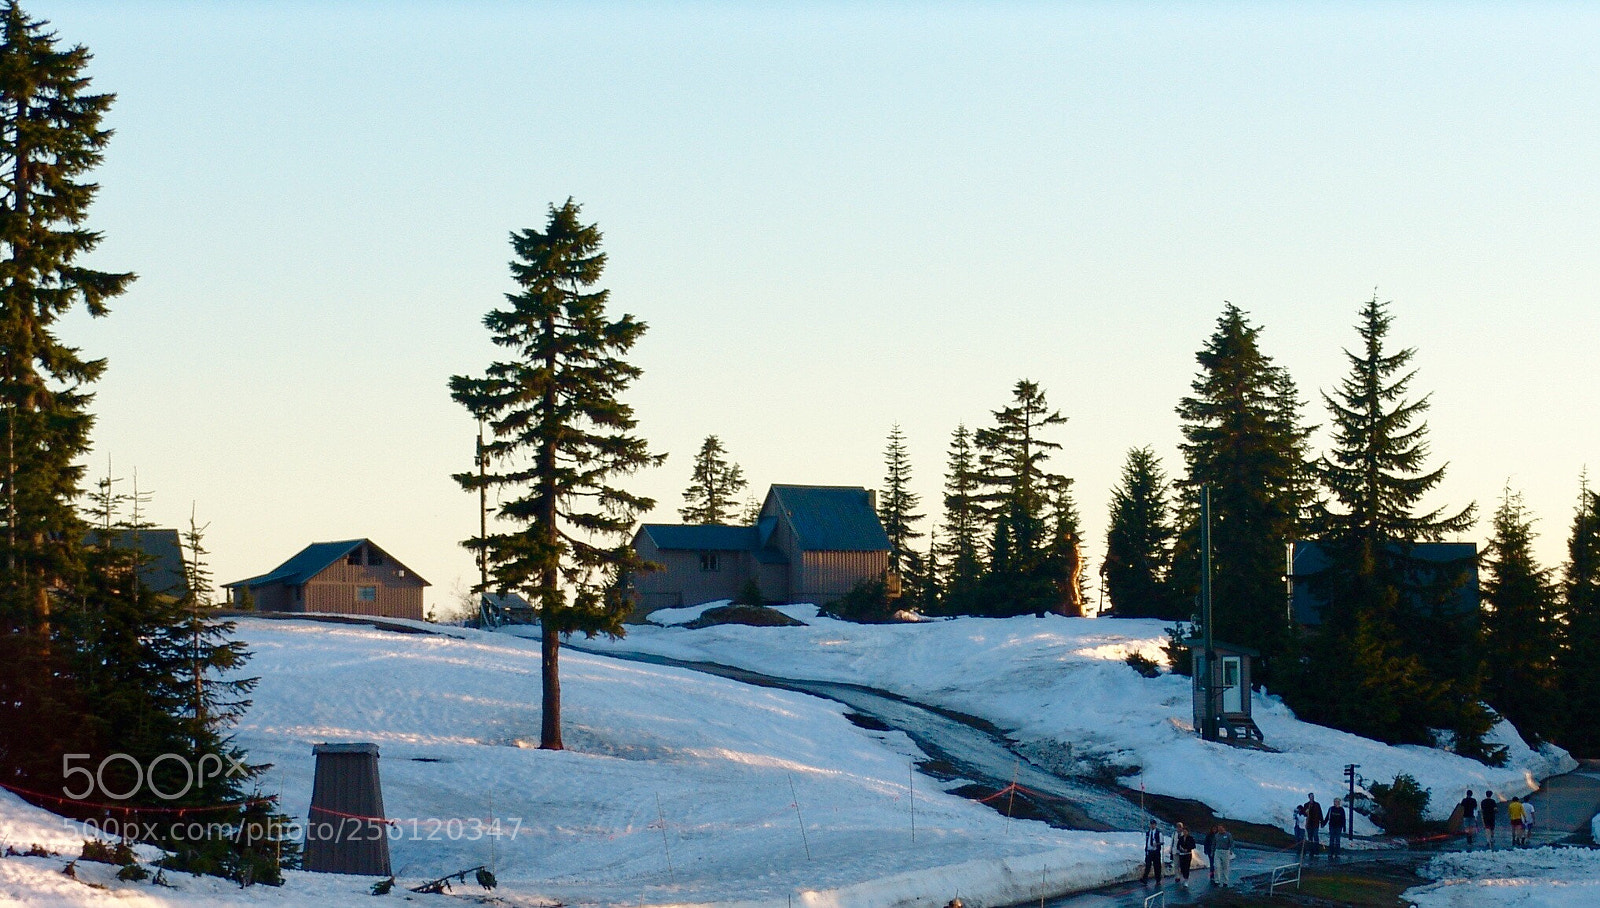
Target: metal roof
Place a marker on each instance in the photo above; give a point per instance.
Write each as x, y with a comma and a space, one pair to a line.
1433, 562
313, 560
163, 571
709, 537
832, 518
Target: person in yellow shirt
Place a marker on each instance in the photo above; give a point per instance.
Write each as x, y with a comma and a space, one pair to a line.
1514, 811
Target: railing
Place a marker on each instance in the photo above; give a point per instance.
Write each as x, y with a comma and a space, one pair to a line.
1158, 900
1283, 875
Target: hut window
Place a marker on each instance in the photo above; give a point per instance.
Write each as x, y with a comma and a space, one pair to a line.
710, 561
374, 556
355, 557
366, 594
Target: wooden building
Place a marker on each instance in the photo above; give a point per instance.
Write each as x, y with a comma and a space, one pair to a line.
160, 553
353, 577
809, 544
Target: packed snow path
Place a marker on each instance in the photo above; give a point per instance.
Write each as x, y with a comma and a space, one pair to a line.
972, 749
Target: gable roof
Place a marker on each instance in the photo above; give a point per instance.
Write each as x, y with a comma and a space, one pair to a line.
708, 537
832, 518
311, 561
1454, 563
162, 570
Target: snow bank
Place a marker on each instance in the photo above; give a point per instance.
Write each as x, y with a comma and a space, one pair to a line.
676, 787
1533, 878
1058, 682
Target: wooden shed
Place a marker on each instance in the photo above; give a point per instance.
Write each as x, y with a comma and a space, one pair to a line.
352, 577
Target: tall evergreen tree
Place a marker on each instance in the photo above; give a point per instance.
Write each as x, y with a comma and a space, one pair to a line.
1521, 643
712, 493
50, 139
896, 510
1016, 496
1375, 477
562, 437
1139, 542
1063, 555
1243, 438
963, 525
1580, 654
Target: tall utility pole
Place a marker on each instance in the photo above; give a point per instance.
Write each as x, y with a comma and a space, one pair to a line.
1209, 716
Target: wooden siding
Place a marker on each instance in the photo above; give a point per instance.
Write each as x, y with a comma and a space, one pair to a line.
682, 577
825, 576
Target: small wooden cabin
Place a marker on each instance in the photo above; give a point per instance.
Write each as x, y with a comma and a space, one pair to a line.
1230, 686
353, 577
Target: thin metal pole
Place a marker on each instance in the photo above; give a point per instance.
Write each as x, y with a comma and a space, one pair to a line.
803, 839
913, 790
483, 512
664, 846
1209, 733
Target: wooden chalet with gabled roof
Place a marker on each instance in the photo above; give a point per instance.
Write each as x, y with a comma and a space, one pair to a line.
353, 577
809, 544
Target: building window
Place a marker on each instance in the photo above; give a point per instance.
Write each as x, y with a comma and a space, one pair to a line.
366, 594
355, 557
374, 556
710, 561
299, 593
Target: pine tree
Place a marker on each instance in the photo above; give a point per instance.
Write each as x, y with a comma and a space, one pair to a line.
1375, 477
1521, 643
1016, 496
1243, 439
896, 507
716, 483
1139, 542
1580, 655
1063, 555
561, 439
50, 139
963, 526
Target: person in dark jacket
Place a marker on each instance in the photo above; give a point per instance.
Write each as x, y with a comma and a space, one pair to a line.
1313, 825
1211, 850
1335, 828
1469, 817
1152, 854
1183, 852
1488, 807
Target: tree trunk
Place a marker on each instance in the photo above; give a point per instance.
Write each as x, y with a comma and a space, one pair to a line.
550, 678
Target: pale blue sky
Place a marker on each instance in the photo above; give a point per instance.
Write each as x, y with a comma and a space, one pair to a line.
833, 218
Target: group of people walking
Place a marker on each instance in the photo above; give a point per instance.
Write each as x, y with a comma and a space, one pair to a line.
1217, 847
1486, 813
1310, 820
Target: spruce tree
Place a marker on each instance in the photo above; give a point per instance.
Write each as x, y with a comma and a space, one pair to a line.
1580, 654
896, 511
963, 526
1520, 638
1376, 479
50, 139
712, 493
561, 438
1243, 439
1063, 554
1139, 542
1016, 496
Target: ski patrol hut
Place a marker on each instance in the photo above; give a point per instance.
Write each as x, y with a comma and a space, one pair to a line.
1229, 673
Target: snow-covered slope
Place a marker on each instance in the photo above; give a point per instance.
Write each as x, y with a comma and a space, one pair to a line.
677, 788
1537, 878
1054, 682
